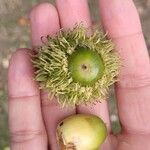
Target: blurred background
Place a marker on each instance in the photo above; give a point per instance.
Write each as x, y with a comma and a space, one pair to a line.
15, 33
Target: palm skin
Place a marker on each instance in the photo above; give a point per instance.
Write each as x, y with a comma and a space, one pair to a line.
33, 118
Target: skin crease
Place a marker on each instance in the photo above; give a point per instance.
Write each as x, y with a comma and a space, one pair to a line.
33, 119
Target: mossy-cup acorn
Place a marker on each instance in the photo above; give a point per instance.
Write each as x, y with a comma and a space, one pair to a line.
75, 67
81, 132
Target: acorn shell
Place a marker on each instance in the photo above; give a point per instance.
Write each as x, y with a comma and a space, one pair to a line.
81, 132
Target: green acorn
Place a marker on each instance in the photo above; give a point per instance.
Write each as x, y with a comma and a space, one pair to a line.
75, 67
85, 66
81, 132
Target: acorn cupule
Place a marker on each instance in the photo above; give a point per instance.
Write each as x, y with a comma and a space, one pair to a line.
76, 68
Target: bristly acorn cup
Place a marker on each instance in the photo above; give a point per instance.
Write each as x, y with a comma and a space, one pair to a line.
75, 67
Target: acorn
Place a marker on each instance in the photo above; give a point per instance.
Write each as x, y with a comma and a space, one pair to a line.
81, 132
75, 67
85, 66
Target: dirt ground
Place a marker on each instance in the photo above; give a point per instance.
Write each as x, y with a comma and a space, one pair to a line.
15, 33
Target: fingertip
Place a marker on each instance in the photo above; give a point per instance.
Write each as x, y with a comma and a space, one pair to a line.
21, 75
18, 55
119, 18
47, 7
72, 12
44, 21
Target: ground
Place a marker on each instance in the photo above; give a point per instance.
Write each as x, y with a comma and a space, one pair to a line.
15, 33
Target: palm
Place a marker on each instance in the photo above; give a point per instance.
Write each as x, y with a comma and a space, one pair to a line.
32, 124
133, 142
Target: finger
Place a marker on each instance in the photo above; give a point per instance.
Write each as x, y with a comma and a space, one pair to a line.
44, 21
122, 22
77, 11
43, 25
72, 12
25, 119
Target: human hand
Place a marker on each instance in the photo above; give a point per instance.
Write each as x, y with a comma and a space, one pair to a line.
33, 118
